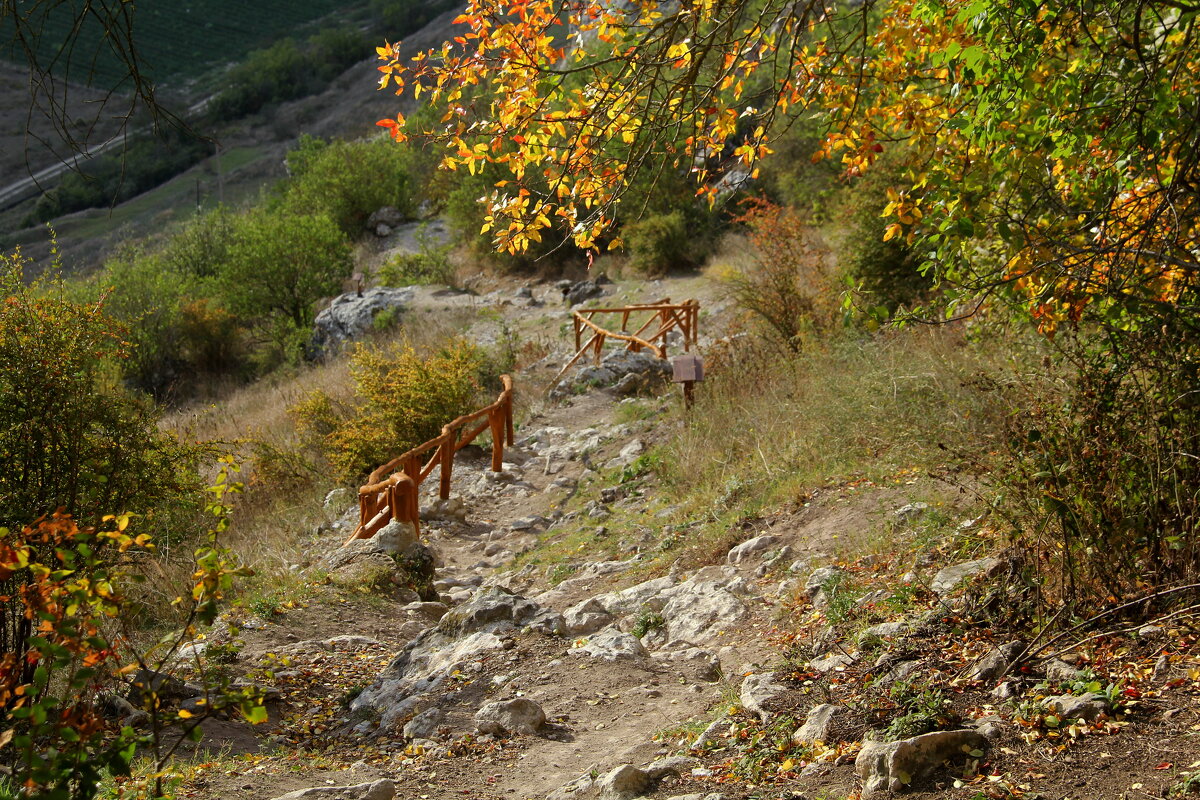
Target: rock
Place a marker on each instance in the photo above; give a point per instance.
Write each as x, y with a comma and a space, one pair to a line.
337, 501
817, 724
891, 766
624, 782
387, 215
759, 689
910, 511
831, 662
164, 686
582, 292
990, 727
629, 453
699, 611
423, 725
614, 366
1088, 707
996, 664
818, 578
519, 715
523, 293
753, 547
395, 537
1005, 691
949, 578
586, 617
350, 316
885, 630
612, 645
1059, 671
494, 607
376, 790
629, 384
672, 765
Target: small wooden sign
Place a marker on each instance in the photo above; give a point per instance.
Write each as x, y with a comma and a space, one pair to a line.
687, 368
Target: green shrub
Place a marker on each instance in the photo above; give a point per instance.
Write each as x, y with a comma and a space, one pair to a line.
110, 178
347, 181
658, 243
281, 263
287, 70
431, 264
72, 437
402, 399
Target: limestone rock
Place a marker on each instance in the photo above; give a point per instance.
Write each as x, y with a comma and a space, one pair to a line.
949, 578
350, 316
759, 689
586, 617
423, 725
395, 537
519, 715
817, 724
753, 547
376, 790
1058, 671
1088, 707
612, 645
337, 501
494, 607
698, 611
891, 766
996, 664
622, 783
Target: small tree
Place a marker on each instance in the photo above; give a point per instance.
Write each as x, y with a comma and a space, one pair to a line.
280, 264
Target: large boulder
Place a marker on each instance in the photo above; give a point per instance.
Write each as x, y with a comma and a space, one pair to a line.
612, 645
615, 366
892, 766
519, 715
352, 315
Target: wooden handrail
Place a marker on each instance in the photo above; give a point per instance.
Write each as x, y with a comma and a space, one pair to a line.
685, 316
396, 496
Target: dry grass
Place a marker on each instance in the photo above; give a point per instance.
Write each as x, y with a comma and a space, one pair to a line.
909, 399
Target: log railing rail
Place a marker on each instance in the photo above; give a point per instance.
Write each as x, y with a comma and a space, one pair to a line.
396, 495
683, 317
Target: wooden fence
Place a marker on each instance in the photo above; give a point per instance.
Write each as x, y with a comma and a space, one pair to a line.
683, 317
396, 496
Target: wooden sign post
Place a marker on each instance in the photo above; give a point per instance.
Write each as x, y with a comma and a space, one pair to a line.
687, 369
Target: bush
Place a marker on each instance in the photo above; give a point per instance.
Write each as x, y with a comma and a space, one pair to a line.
658, 244
1106, 452
280, 264
430, 265
785, 283
287, 70
403, 399
71, 436
888, 272
109, 179
347, 181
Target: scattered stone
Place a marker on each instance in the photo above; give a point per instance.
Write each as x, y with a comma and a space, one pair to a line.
519, 715
817, 724
395, 537
387, 215
423, 725
911, 511
612, 645
697, 611
1087, 707
1005, 691
1059, 671
376, 790
586, 617
581, 292
996, 664
818, 578
759, 689
949, 578
885, 630
624, 782
754, 547
891, 766
990, 727
672, 765
831, 662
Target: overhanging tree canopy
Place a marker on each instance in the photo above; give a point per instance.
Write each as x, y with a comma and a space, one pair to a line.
1051, 147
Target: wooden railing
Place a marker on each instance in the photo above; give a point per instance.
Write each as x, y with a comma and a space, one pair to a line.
683, 317
396, 496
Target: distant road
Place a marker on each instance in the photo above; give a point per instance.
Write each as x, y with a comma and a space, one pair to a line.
31, 186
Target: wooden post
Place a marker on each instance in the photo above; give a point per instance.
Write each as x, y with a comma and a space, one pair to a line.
446, 457
497, 426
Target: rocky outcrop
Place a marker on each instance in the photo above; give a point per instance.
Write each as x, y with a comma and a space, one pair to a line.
352, 315
376, 790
